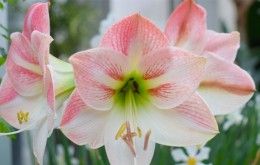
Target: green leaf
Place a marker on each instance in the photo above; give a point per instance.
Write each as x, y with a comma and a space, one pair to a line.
3, 55
4, 28
5, 127
1, 6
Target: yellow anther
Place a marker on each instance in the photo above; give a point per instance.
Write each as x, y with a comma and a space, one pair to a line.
191, 161
22, 117
120, 131
139, 132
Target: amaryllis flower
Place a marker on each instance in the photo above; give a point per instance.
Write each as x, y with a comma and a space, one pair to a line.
28, 89
225, 87
133, 92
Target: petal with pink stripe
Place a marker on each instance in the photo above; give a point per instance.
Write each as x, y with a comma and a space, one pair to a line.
225, 87
224, 45
134, 35
172, 75
97, 74
186, 26
37, 18
190, 123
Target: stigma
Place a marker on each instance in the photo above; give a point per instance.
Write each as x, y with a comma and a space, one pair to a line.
22, 117
126, 134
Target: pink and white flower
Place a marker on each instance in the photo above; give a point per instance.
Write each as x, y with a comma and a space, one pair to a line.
225, 86
30, 85
134, 91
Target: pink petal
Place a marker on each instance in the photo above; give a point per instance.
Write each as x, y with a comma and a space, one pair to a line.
134, 34
186, 26
11, 103
21, 47
49, 89
191, 123
97, 73
172, 75
224, 45
83, 125
25, 82
7, 92
226, 87
118, 151
37, 18
41, 45
22, 66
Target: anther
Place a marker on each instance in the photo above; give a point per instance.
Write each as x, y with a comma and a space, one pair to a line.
139, 132
120, 131
22, 117
146, 139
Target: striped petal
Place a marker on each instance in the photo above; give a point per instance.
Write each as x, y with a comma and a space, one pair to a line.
224, 45
172, 75
23, 68
97, 73
134, 35
191, 123
11, 104
186, 26
37, 18
226, 87
40, 43
83, 125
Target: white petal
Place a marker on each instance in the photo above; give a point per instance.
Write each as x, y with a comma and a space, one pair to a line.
203, 154
119, 152
40, 136
192, 150
178, 155
191, 123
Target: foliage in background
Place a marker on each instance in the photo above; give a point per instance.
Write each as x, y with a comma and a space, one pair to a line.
73, 24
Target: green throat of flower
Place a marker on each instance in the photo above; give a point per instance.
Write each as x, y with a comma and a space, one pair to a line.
132, 92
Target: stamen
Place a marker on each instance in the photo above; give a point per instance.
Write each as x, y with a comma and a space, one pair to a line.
128, 132
126, 136
139, 132
146, 139
130, 145
120, 131
22, 117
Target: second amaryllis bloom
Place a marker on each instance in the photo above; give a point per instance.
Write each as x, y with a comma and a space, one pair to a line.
34, 80
225, 86
133, 92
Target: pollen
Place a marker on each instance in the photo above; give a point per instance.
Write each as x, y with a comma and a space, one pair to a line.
22, 117
120, 131
139, 132
192, 161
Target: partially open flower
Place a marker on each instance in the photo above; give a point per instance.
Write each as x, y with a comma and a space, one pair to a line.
29, 88
133, 92
225, 86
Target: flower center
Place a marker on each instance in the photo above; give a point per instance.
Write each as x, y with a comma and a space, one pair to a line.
192, 161
132, 91
22, 117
